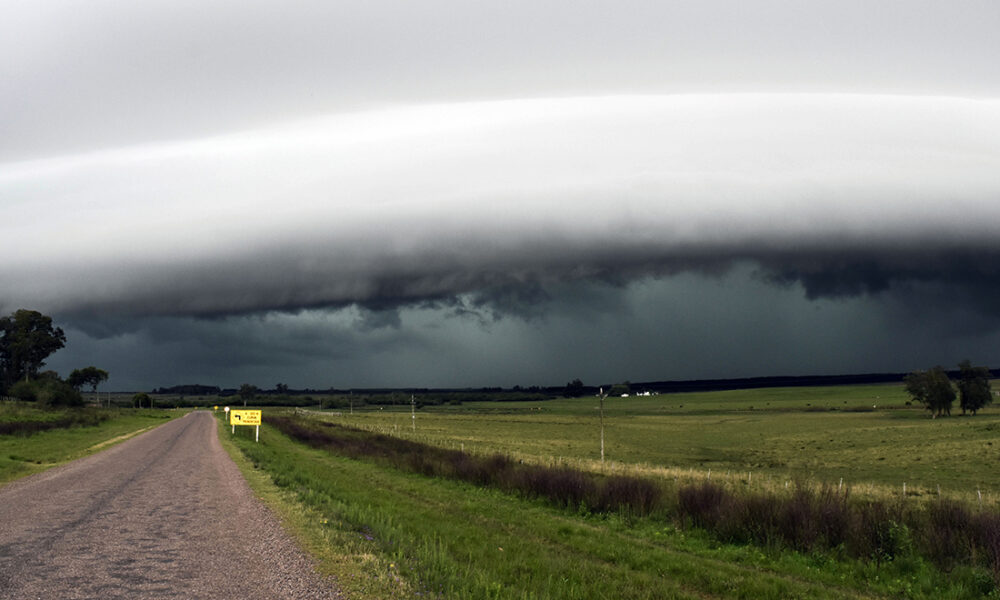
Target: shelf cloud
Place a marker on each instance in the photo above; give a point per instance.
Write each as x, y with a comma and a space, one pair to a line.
489, 203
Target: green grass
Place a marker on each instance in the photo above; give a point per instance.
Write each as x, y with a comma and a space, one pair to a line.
419, 535
22, 455
821, 434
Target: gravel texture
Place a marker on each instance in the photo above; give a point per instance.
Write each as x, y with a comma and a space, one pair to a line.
163, 515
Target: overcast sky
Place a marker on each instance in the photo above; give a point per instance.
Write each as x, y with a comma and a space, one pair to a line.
461, 193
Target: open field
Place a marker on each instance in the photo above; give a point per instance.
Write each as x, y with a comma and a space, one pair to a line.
22, 455
389, 531
865, 435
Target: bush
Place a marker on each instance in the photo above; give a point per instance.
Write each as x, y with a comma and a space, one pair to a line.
946, 538
48, 392
24, 390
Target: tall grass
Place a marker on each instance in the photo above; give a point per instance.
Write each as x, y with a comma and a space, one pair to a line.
946, 532
29, 421
561, 486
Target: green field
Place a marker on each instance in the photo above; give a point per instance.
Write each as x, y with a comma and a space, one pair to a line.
22, 455
389, 533
866, 436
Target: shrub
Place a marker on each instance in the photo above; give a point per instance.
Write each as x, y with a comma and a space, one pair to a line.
632, 494
985, 534
701, 503
46, 391
945, 535
24, 390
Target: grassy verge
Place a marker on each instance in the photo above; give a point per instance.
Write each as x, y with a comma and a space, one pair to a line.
78, 434
374, 525
342, 552
23, 419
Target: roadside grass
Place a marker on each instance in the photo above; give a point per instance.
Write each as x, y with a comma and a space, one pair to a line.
349, 556
442, 538
24, 418
765, 437
84, 432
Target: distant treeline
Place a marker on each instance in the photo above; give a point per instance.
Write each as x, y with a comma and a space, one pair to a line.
377, 395
191, 390
175, 397
282, 395
744, 383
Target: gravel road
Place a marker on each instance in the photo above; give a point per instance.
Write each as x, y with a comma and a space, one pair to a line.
163, 515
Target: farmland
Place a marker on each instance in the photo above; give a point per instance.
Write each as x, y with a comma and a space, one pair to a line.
866, 435
386, 531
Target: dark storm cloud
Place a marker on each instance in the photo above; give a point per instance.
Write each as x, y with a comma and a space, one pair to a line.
305, 348
484, 207
450, 192
844, 271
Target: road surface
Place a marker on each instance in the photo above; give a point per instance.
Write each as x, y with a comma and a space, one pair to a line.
163, 515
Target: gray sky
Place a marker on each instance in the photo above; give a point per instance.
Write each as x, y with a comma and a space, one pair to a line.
498, 193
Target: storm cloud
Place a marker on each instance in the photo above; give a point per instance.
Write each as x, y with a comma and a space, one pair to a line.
489, 203
453, 193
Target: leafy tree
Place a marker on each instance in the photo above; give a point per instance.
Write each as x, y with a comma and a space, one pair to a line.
574, 389
281, 388
933, 389
973, 387
248, 392
91, 376
28, 338
142, 398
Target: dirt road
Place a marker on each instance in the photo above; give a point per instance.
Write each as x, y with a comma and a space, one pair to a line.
163, 515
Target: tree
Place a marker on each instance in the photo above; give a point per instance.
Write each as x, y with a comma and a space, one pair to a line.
140, 399
247, 392
574, 389
91, 376
933, 389
281, 388
973, 387
28, 338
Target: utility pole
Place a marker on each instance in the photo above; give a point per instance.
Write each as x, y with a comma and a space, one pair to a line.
602, 396
413, 412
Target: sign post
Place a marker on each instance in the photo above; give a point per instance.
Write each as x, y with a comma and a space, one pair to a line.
246, 417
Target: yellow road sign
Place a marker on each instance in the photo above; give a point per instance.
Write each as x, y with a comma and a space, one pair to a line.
244, 417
